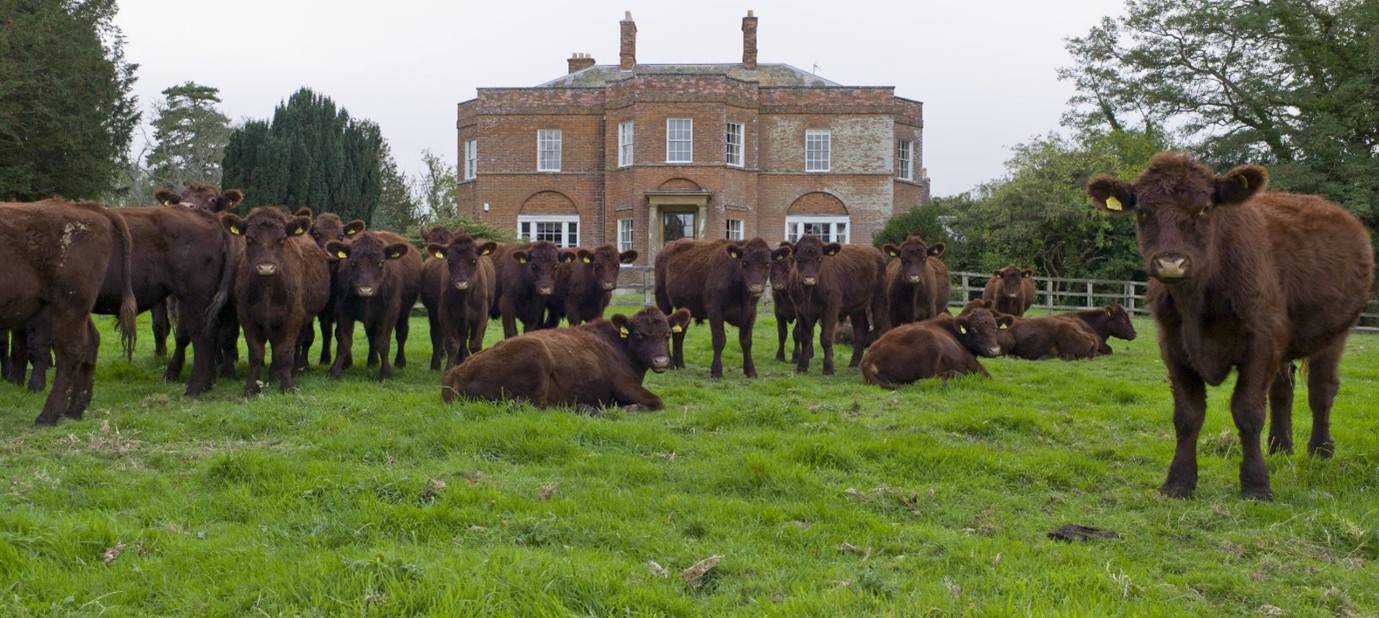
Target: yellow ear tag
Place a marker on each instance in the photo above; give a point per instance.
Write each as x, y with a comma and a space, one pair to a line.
623, 332
1003, 327
962, 329
588, 260
299, 232
1113, 203
234, 229
440, 255
1244, 182
676, 329
167, 202
341, 254
521, 260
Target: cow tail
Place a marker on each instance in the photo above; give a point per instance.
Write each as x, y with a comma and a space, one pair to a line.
222, 292
129, 307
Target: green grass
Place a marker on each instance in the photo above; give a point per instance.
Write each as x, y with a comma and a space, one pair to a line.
821, 495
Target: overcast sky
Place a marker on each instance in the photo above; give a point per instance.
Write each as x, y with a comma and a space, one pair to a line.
984, 69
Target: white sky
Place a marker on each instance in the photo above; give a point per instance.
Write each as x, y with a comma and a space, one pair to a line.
984, 69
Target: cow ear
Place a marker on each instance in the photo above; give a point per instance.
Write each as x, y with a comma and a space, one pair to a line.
995, 274
397, 250
1027, 273
585, 256
488, 247
1005, 321
336, 250
1240, 184
832, 249
303, 212
734, 252
436, 249
229, 199
621, 322
298, 226
937, 249
566, 256
627, 257
890, 250
354, 227
166, 197
962, 325
1111, 194
232, 224
787, 244
520, 256
425, 233
781, 253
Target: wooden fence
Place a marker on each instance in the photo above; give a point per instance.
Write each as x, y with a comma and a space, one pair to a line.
1052, 294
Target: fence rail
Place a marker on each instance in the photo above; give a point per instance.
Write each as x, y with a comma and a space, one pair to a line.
1052, 294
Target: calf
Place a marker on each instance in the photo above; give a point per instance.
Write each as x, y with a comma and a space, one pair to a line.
1106, 322
942, 347
281, 280
379, 279
432, 283
832, 279
584, 286
525, 278
1011, 290
1050, 337
719, 281
601, 363
1245, 279
55, 255
917, 282
463, 295
325, 228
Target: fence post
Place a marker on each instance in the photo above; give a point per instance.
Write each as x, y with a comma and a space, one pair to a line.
1130, 297
646, 286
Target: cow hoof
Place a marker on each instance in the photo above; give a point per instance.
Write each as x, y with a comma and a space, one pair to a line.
1280, 445
1176, 490
1322, 451
1262, 494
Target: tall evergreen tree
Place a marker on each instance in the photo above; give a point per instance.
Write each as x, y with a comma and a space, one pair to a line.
66, 108
189, 135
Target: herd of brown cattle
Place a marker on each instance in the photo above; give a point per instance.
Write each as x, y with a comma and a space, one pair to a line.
1240, 279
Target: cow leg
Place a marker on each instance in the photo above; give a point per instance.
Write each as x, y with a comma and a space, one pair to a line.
228, 347
285, 356
1281, 409
39, 344
84, 382
677, 353
804, 340
301, 354
1323, 381
327, 331
861, 336
1247, 408
19, 356
720, 340
161, 325
744, 339
630, 393
1189, 410
254, 345
438, 344
476, 337
5, 365
344, 346
70, 343
828, 331
380, 339
782, 331
402, 328
181, 338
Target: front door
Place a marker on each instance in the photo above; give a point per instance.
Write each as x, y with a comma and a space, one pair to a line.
677, 224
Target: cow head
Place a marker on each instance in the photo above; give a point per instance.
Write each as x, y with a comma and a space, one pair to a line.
362, 261
912, 255
753, 259
439, 234
644, 335
538, 263
1121, 326
602, 264
809, 253
461, 257
1009, 280
1175, 202
265, 231
201, 195
978, 331
780, 266
328, 227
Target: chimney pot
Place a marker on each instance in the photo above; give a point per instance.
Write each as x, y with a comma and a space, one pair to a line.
579, 62
749, 41
627, 58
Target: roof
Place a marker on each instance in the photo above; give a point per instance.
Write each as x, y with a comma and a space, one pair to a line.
768, 75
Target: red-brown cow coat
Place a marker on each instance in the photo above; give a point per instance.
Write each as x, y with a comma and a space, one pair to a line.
829, 280
942, 347
463, 290
917, 281
1011, 289
1105, 322
717, 280
379, 279
525, 278
584, 286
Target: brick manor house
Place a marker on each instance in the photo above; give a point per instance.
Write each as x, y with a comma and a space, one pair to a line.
639, 155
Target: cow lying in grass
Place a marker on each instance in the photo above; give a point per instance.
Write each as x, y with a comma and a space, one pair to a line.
1105, 322
941, 347
600, 363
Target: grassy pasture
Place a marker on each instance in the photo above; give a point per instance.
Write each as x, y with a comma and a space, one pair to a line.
818, 496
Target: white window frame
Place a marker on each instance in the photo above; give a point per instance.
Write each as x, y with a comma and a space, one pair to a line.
471, 159
625, 230
830, 228
734, 151
679, 140
626, 142
733, 229
818, 146
548, 150
530, 226
905, 160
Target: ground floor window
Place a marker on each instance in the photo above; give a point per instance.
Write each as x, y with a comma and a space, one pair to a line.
829, 229
563, 230
734, 229
624, 235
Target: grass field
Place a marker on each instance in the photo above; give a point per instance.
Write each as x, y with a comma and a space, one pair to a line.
807, 496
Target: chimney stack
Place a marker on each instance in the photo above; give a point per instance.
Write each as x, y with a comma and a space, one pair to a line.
579, 62
627, 59
749, 41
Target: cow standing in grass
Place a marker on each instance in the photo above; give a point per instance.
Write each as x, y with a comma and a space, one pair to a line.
917, 281
599, 364
525, 279
432, 282
325, 228
211, 199
584, 286
463, 294
832, 279
1011, 290
1248, 280
717, 280
379, 280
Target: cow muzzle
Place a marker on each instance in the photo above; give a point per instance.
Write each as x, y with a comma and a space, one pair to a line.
756, 289
266, 270
365, 291
992, 352
1171, 267
659, 364
912, 279
809, 281
462, 285
609, 287
544, 291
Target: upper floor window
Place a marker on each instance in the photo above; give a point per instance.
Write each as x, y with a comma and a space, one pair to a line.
548, 150
829, 229
624, 235
625, 144
679, 140
471, 159
904, 160
733, 156
734, 231
816, 150
563, 230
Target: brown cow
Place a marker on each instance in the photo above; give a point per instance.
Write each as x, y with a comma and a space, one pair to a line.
325, 228
601, 363
432, 283
1105, 322
584, 286
525, 277
281, 281
464, 294
781, 304
379, 280
55, 254
1243, 279
211, 199
33, 344
1049, 337
941, 347
832, 279
719, 281
1011, 289
201, 196
917, 281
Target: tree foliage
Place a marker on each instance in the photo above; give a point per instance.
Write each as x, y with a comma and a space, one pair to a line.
311, 154
189, 136
1292, 84
397, 209
437, 185
66, 112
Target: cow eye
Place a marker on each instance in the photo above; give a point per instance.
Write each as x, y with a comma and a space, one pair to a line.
380, 264
248, 240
